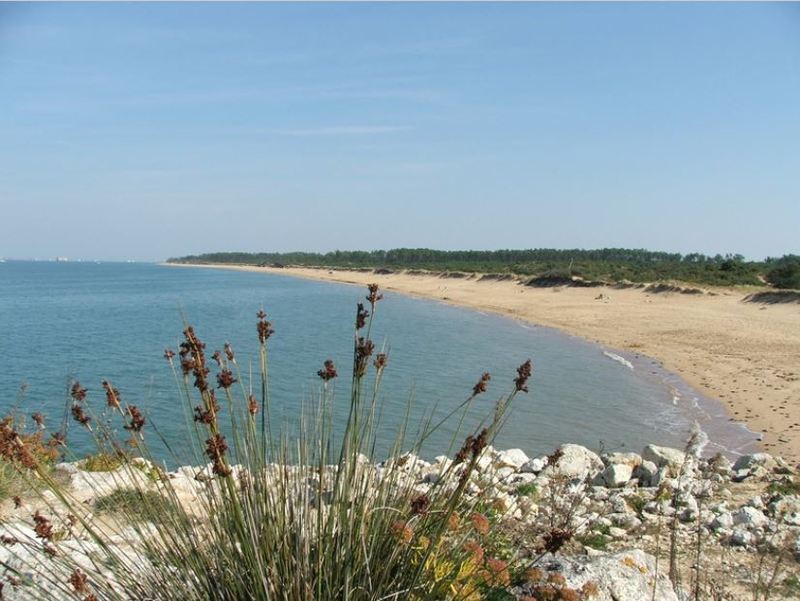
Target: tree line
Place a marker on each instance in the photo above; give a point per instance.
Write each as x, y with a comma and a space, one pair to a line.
610, 264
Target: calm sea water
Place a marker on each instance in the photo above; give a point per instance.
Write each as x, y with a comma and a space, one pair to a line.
60, 321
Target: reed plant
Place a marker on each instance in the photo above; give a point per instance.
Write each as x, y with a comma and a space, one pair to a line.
271, 511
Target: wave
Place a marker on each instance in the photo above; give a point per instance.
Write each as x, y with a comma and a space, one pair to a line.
618, 359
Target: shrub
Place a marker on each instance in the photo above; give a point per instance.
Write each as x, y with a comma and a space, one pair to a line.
102, 462
133, 504
277, 513
785, 273
528, 490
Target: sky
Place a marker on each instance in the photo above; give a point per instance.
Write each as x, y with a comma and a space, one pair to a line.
146, 131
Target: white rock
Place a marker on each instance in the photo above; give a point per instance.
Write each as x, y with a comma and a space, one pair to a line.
628, 521
723, 520
514, 458
504, 472
617, 533
741, 538
534, 466
631, 459
747, 462
617, 474
646, 472
575, 462
750, 517
664, 456
626, 576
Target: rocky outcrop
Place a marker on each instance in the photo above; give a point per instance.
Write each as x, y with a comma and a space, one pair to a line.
626, 576
617, 502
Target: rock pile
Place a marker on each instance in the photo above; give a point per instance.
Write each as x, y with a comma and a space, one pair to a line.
615, 504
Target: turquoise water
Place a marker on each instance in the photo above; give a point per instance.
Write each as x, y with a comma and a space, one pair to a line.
93, 321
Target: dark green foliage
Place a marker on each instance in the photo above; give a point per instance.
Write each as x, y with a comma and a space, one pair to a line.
606, 264
594, 540
528, 490
784, 272
132, 503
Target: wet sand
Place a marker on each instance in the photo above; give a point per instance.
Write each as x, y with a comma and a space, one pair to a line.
746, 355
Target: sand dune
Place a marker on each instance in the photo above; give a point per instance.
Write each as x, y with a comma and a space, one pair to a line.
746, 355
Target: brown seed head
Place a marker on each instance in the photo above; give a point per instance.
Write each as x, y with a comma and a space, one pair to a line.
364, 348
252, 405
420, 504
225, 379
328, 372
373, 296
361, 316
496, 573
168, 354
480, 442
43, 527
475, 550
454, 521
465, 450
381, 359
229, 352
77, 393
79, 580
402, 532
480, 523
216, 447
137, 419
523, 373
193, 359
79, 415
207, 415
112, 395
480, 387
38, 419
555, 539
263, 327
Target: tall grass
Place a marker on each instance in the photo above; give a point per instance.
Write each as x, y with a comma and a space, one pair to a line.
275, 512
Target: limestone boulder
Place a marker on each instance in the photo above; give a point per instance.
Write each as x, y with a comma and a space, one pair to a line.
575, 462
625, 576
664, 456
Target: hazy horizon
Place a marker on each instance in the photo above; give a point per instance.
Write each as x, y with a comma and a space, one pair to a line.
148, 131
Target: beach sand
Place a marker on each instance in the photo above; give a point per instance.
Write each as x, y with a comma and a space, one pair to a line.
746, 355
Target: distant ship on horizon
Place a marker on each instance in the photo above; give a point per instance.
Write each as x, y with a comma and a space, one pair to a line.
62, 259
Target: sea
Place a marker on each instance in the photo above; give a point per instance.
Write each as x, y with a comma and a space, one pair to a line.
87, 321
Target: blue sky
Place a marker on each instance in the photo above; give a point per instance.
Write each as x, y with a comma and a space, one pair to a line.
152, 130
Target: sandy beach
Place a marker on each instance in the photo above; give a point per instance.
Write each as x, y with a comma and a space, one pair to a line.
746, 355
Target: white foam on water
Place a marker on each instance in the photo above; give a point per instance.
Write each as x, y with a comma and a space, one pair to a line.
700, 440
618, 359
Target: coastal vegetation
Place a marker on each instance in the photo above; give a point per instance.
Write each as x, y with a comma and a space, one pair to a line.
785, 272
271, 510
611, 265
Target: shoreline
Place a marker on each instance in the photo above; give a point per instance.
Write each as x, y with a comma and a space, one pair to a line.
742, 356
